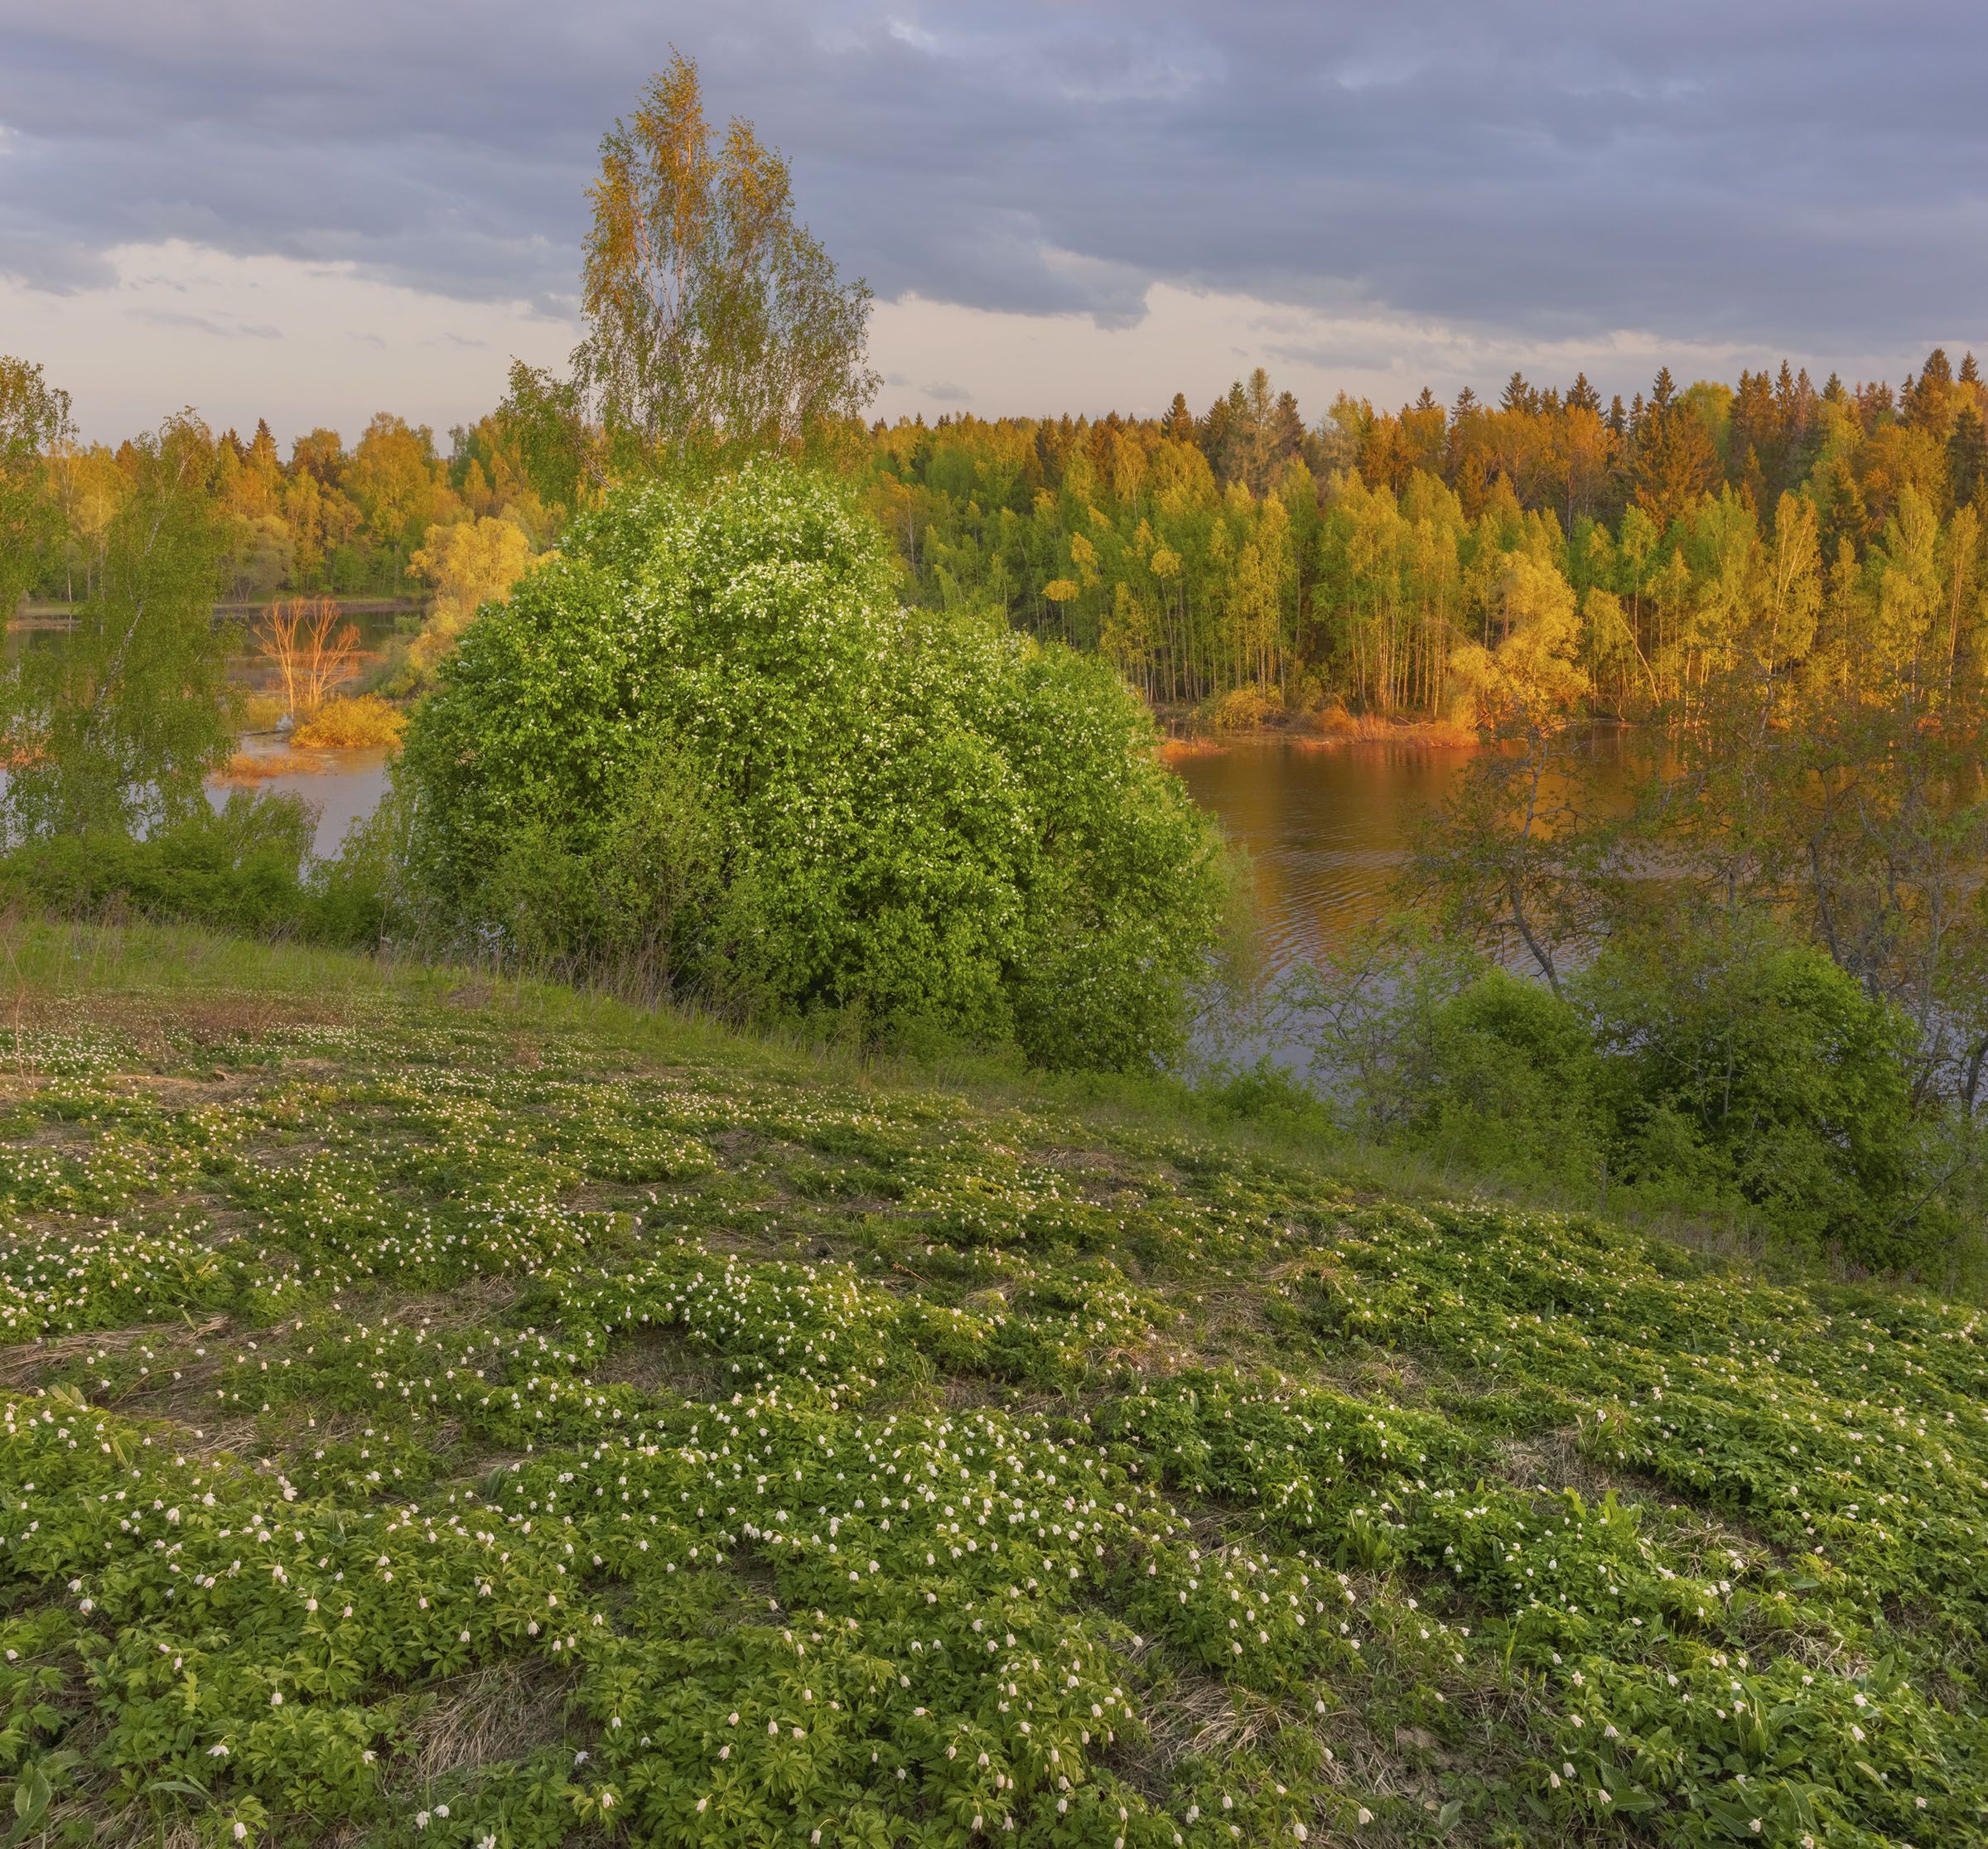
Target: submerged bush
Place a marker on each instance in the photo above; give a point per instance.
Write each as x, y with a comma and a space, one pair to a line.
355, 723
707, 741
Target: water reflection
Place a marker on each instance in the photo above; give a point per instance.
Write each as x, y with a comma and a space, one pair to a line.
1327, 826
343, 786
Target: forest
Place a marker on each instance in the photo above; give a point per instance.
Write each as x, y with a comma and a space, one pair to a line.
1244, 562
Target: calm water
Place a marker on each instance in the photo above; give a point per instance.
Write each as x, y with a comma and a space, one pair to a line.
1327, 826
350, 785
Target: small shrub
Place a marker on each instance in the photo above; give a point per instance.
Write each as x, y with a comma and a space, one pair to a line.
1512, 1082
1733, 1051
358, 723
1243, 709
245, 867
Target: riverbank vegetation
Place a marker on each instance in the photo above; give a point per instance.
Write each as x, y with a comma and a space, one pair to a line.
709, 751
1328, 566
1289, 569
1761, 970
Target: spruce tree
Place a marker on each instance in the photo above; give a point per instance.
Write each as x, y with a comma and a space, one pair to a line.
1967, 455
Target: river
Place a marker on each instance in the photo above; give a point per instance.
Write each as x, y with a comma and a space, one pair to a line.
342, 786
1327, 825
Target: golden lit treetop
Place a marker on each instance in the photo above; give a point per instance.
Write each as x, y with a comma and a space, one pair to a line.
713, 320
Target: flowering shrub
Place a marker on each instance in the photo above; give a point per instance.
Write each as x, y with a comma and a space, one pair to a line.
826, 1463
707, 741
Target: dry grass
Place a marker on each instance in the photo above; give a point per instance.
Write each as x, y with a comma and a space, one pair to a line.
19, 1363
1200, 1716
487, 1716
1336, 726
247, 768
1174, 751
655, 1359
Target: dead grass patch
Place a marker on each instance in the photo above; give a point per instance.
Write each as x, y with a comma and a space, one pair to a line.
21, 1363
1199, 1715
488, 1715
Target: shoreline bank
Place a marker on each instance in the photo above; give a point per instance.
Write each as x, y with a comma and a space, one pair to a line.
1181, 741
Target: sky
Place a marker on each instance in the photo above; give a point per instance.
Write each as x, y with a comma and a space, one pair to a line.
311, 212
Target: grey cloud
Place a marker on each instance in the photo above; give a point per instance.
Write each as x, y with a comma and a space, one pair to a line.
948, 395
1801, 176
228, 330
56, 267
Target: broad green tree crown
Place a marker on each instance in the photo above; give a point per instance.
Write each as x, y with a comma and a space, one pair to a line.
709, 736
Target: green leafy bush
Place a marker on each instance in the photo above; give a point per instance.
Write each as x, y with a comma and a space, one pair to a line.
1713, 1065
707, 740
1739, 1058
245, 867
1512, 1081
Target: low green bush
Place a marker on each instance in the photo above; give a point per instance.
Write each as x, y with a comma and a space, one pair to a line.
1513, 1081
1714, 1067
245, 867
1737, 1058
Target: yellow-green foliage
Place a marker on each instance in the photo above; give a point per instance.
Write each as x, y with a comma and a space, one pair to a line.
470, 562
260, 712
810, 1455
1244, 709
352, 724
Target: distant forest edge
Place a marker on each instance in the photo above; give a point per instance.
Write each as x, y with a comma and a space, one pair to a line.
1415, 565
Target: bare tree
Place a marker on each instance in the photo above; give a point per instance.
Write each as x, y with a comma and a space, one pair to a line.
313, 650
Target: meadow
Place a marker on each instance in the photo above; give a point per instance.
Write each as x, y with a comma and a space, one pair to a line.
441, 1412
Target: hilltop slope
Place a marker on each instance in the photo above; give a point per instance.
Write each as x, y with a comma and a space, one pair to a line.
435, 1415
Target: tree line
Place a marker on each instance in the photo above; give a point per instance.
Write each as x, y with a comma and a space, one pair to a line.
1375, 559
1370, 561
332, 518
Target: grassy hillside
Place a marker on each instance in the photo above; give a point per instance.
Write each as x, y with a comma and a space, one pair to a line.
440, 1414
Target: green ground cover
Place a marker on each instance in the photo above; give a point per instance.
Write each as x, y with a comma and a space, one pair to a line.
435, 1413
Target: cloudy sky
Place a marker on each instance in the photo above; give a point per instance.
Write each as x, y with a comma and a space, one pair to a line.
313, 211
